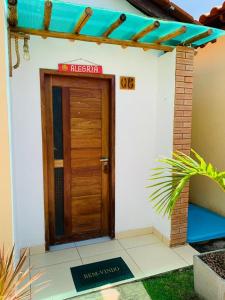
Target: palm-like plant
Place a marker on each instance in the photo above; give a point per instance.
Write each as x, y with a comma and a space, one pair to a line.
14, 282
173, 175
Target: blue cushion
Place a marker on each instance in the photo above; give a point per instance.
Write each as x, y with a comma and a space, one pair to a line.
204, 225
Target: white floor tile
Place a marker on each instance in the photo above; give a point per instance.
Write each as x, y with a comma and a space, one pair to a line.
121, 253
138, 241
52, 258
186, 252
62, 247
37, 250
156, 259
92, 241
60, 286
97, 249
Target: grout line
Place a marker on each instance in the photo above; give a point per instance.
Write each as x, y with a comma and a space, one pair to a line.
135, 247
104, 253
97, 243
181, 257
120, 244
55, 264
136, 264
131, 258
80, 256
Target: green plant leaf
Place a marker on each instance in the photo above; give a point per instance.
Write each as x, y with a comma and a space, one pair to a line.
174, 174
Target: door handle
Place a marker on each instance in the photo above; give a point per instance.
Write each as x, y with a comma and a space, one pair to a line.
104, 160
105, 163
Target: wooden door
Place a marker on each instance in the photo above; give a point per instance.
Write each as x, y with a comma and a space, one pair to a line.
79, 147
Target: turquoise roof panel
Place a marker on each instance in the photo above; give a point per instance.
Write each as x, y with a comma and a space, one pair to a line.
29, 13
65, 15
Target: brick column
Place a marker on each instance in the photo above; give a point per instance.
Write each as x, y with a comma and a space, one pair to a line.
182, 135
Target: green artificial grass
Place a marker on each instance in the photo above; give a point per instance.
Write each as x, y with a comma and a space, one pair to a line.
175, 285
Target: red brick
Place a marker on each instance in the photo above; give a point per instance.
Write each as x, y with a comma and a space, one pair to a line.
180, 67
186, 148
189, 55
178, 124
179, 90
189, 68
177, 136
181, 54
188, 124
182, 107
187, 102
187, 135
188, 79
185, 61
180, 78
184, 84
188, 91
187, 113
179, 113
184, 96
184, 73
184, 131
178, 102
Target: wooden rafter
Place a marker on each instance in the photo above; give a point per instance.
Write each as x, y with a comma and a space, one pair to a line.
47, 14
145, 31
12, 18
115, 25
197, 37
94, 39
171, 35
83, 20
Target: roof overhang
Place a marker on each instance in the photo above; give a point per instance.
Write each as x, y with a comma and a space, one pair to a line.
67, 20
215, 18
164, 9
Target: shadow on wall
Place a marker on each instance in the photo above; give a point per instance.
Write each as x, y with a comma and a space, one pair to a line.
206, 193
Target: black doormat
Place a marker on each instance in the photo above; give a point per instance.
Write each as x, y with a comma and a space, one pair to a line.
100, 273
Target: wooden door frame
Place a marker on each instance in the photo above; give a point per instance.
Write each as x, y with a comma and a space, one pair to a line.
46, 74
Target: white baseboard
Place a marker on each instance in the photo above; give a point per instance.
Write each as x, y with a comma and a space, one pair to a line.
134, 232
119, 235
162, 237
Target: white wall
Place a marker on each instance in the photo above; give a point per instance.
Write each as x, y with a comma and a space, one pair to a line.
6, 207
164, 121
138, 115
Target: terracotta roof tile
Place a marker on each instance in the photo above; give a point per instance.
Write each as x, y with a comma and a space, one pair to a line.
215, 18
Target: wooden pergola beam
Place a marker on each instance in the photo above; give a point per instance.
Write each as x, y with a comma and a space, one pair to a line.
93, 39
115, 25
197, 37
145, 31
47, 14
171, 35
12, 17
83, 20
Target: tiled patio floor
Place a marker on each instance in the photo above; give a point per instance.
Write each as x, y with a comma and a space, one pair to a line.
145, 255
